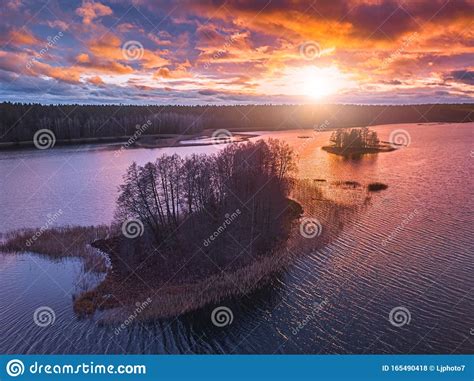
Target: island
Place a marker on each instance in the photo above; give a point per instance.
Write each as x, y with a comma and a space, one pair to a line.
357, 141
191, 231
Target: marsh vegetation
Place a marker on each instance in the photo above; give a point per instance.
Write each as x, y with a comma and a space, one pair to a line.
208, 226
376, 186
59, 242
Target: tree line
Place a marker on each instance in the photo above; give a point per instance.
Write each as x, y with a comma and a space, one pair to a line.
19, 121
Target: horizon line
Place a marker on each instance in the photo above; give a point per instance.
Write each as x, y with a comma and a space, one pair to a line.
236, 104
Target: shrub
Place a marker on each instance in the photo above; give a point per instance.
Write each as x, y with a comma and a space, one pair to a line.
375, 187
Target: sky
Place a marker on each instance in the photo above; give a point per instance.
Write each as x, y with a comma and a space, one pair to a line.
237, 52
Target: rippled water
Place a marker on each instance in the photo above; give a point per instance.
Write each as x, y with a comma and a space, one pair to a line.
409, 246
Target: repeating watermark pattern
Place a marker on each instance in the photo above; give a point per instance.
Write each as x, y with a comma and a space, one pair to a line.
317, 307
136, 135
310, 227
132, 228
399, 316
399, 138
397, 53
132, 50
310, 50
15, 368
44, 139
140, 306
52, 42
229, 218
408, 218
321, 127
44, 316
222, 316
229, 41
52, 218
221, 136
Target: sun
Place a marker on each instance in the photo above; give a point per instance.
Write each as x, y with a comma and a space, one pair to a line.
318, 83
310, 82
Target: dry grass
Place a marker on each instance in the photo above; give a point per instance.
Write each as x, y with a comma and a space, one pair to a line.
177, 286
177, 295
57, 243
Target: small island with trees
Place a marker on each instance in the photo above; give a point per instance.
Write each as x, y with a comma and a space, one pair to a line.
191, 231
356, 141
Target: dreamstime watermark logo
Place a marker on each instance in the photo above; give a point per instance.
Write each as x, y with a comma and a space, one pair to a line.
399, 316
51, 219
132, 228
310, 50
316, 308
52, 41
399, 138
310, 227
221, 136
139, 131
140, 306
395, 55
472, 331
44, 316
229, 41
44, 139
222, 316
132, 50
15, 368
321, 127
229, 218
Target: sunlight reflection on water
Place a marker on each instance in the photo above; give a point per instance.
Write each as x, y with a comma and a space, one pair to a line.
426, 266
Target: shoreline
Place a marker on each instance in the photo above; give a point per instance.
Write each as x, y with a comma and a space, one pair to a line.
173, 140
170, 301
148, 141
348, 151
174, 297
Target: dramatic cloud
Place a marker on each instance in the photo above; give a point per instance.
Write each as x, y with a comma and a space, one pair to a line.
191, 52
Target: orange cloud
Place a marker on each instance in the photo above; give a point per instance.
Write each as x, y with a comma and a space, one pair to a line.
22, 37
70, 75
107, 47
166, 73
97, 81
83, 58
153, 60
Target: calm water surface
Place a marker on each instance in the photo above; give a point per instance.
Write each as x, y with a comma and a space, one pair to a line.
410, 246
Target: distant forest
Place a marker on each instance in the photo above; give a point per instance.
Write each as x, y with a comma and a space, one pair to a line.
19, 121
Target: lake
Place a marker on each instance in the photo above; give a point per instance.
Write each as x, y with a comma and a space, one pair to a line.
408, 246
